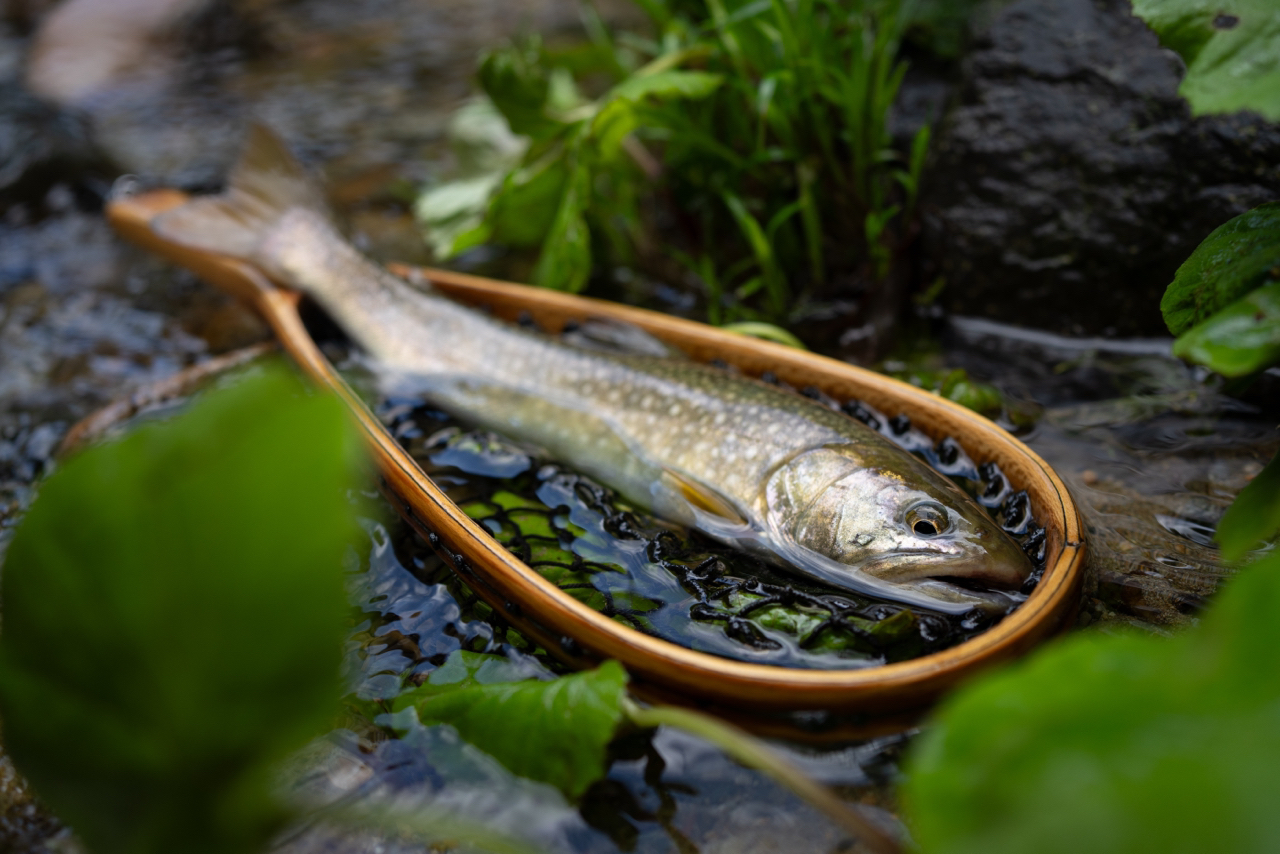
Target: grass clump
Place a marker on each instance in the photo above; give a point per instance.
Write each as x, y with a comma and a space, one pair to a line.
741, 147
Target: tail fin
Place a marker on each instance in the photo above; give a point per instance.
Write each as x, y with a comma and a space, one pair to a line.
265, 183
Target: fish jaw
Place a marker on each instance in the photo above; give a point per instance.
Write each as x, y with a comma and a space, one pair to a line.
846, 517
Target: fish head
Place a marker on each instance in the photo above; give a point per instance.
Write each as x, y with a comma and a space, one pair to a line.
893, 519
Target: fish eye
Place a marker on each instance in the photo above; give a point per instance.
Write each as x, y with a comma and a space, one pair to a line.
927, 519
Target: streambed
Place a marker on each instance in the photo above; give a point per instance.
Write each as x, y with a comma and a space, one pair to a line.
1152, 450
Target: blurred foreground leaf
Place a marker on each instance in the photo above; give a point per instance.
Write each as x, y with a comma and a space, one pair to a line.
1231, 47
1237, 257
173, 617
1116, 743
555, 732
1254, 516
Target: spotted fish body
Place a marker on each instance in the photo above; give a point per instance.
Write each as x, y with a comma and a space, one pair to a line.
743, 461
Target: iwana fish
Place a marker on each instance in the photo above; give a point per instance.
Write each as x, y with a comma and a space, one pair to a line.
740, 460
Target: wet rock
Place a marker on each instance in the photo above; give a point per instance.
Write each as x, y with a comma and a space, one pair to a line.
1069, 181
39, 147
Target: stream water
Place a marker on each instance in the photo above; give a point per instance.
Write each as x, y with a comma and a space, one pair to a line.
1153, 450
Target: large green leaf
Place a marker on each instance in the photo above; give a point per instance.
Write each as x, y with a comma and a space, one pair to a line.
173, 617
1116, 743
555, 732
1231, 47
1239, 340
1254, 516
1239, 256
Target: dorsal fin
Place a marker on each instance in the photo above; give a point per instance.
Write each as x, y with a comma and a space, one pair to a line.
266, 182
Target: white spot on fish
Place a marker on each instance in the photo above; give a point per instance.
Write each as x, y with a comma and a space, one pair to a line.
674, 410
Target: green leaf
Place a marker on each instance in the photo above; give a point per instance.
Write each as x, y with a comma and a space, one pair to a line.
555, 732
454, 213
481, 139
614, 123
1231, 47
1115, 743
173, 619
1239, 256
517, 81
766, 331
565, 262
761, 248
522, 211
1254, 516
691, 85
1239, 340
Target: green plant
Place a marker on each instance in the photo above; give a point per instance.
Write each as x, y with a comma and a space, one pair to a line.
744, 145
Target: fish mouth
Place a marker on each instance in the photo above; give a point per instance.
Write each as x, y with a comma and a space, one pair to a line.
922, 587
1006, 571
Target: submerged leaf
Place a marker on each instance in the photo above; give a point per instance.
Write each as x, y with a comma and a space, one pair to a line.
1116, 743
555, 732
173, 619
1239, 340
1239, 256
1231, 47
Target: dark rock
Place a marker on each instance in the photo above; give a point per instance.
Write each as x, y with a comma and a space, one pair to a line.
1070, 181
40, 146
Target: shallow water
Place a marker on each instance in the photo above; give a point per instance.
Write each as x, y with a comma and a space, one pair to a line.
1152, 450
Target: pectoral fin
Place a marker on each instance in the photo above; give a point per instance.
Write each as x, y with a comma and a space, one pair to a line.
684, 500
703, 497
